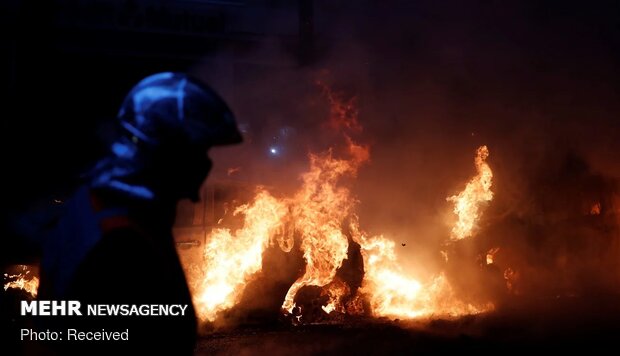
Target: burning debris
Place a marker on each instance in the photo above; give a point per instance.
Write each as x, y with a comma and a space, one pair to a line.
23, 280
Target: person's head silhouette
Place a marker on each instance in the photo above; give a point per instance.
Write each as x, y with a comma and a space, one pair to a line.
120, 222
168, 122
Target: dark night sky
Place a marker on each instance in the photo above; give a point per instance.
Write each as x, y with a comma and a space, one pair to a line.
535, 80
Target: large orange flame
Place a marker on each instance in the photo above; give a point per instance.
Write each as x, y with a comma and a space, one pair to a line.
320, 208
467, 204
393, 293
231, 259
321, 214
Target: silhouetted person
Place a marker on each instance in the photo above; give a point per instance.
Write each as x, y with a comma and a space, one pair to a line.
114, 244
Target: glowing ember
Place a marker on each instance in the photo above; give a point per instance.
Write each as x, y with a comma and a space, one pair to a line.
467, 205
444, 255
21, 281
231, 259
491, 255
512, 278
595, 209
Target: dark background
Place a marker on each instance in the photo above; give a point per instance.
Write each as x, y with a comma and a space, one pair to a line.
67, 64
536, 80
